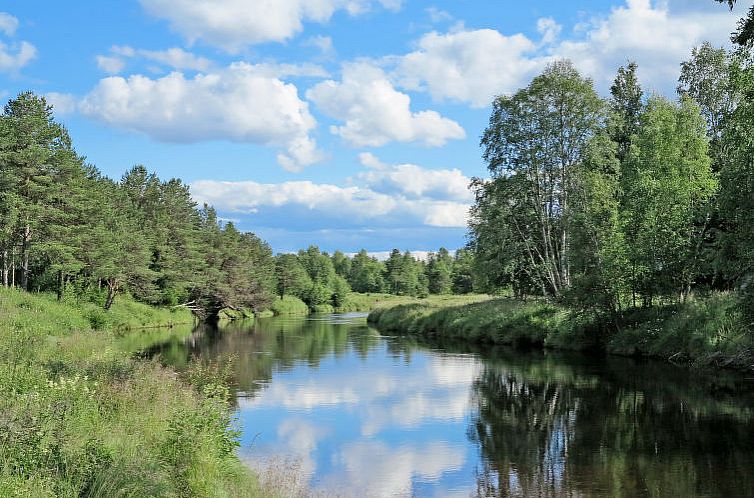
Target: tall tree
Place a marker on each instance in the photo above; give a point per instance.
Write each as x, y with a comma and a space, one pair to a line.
292, 278
462, 275
37, 161
626, 104
737, 185
666, 189
600, 263
439, 271
534, 141
366, 273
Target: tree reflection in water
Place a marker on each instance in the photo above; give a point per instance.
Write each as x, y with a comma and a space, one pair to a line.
555, 428
538, 424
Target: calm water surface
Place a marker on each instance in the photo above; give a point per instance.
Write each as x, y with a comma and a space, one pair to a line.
367, 415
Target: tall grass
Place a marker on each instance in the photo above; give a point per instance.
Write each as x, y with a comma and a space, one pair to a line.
701, 332
499, 321
79, 416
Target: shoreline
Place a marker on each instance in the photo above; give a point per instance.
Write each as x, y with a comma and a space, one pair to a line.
700, 334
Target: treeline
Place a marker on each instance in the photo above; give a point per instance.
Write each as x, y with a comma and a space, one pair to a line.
66, 228
631, 201
318, 278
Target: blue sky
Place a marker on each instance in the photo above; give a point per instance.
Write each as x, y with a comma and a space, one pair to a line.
344, 123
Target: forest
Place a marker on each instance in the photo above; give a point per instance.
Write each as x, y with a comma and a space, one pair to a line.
68, 229
634, 201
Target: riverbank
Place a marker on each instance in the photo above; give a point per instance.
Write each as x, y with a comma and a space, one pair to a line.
80, 416
354, 301
701, 332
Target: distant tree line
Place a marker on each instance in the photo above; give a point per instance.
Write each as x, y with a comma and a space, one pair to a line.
622, 202
318, 278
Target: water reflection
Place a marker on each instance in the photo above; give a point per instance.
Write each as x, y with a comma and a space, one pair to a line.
372, 416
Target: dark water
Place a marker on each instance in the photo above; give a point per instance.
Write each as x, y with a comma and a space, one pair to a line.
366, 415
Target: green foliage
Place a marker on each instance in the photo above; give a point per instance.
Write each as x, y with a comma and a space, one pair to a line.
499, 321
292, 278
699, 331
289, 305
745, 34
80, 417
366, 274
667, 184
65, 227
532, 146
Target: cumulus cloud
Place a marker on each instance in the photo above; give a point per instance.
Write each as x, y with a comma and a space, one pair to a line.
310, 202
469, 65
322, 43
110, 64
240, 103
63, 103
648, 32
234, 24
15, 55
375, 113
414, 181
384, 195
473, 66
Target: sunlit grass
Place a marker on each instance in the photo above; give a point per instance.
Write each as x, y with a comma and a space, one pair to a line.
709, 331
79, 416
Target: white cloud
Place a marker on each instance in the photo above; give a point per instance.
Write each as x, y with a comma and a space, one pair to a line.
177, 58
437, 15
338, 204
474, 66
62, 103
648, 32
16, 55
386, 194
469, 66
414, 181
110, 64
239, 103
233, 24
375, 113
8, 24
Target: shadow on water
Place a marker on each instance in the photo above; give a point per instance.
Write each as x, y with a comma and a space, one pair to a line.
540, 423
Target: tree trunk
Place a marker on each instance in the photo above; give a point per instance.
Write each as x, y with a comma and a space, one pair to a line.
61, 285
112, 289
6, 272
13, 266
25, 258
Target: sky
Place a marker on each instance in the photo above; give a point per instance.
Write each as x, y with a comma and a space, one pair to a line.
347, 124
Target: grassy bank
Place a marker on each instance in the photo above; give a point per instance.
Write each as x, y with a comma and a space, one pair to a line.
701, 332
79, 416
291, 305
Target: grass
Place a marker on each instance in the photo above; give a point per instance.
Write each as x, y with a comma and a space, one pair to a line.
79, 416
289, 305
701, 332
473, 318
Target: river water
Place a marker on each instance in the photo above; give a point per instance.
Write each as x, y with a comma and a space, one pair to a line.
360, 414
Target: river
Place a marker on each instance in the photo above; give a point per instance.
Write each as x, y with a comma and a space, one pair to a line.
355, 413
